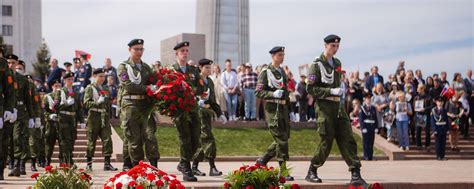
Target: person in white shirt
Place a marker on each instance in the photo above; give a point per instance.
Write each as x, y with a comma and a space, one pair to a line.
229, 84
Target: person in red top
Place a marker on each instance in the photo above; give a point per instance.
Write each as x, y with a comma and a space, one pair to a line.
292, 91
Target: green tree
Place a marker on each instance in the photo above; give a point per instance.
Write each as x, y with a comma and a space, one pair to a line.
41, 66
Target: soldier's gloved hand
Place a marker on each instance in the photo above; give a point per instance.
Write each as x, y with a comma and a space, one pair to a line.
81, 90
53, 116
223, 119
37, 122
101, 100
70, 101
13, 116
41, 127
278, 93
201, 103
154, 89
376, 131
31, 124
336, 91
1, 123
7, 115
364, 130
82, 125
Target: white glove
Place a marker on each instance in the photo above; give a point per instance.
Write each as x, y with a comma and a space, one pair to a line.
53, 116
81, 90
82, 125
1, 123
364, 130
201, 103
70, 101
14, 115
37, 122
376, 131
101, 100
223, 119
154, 88
41, 127
7, 115
31, 124
336, 91
278, 93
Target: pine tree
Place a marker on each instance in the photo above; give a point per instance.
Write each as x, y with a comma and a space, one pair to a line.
41, 66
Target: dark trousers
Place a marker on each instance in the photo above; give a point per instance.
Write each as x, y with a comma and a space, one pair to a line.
303, 110
368, 144
440, 145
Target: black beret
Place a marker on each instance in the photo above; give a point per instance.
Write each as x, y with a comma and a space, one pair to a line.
67, 64
37, 79
68, 75
41, 90
76, 60
98, 71
205, 61
56, 81
12, 56
332, 39
367, 95
136, 42
182, 44
277, 49
21, 62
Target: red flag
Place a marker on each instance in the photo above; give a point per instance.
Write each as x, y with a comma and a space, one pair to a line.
80, 53
447, 92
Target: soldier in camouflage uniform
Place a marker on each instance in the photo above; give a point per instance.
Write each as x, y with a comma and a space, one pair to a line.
51, 132
25, 119
97, 99
70, 113
208, 108
188, 130
272, 86
7, 105
324, 84
136, 106
35, 141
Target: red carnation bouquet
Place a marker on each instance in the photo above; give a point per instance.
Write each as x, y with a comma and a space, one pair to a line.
174, 96
143, 176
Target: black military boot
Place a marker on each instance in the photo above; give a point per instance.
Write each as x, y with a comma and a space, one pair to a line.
356, 179
107, 165
89, 164
15, 172
153, 162
313, 175
181, 166
213, 171
127, 164
42, 161
23, 167
188, 173
33, 165
264, 160
195, 169
11, 164
282, 167
2, 167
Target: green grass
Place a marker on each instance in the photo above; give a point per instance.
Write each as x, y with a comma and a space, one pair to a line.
247, 141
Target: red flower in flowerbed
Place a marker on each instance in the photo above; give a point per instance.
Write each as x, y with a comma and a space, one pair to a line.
63, 176
174, 96
258, 176
143, 176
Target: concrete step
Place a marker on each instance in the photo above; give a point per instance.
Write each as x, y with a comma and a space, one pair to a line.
433, 156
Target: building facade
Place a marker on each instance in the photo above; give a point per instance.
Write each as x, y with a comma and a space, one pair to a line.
225, 23
21, 28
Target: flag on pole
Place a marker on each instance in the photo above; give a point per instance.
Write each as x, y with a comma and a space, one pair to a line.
80, 53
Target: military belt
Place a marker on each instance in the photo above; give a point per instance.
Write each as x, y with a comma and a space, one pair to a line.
67, 112
76, 84
333, 98
277, 101
19, 102
134, 97
97, 110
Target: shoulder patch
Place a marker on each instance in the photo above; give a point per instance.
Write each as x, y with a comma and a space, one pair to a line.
124, 76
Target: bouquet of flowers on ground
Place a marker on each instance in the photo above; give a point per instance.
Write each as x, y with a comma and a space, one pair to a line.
143, 176
258, 176
62, 177
174, 97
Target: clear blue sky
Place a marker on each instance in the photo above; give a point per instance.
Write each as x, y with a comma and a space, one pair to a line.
428, 35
